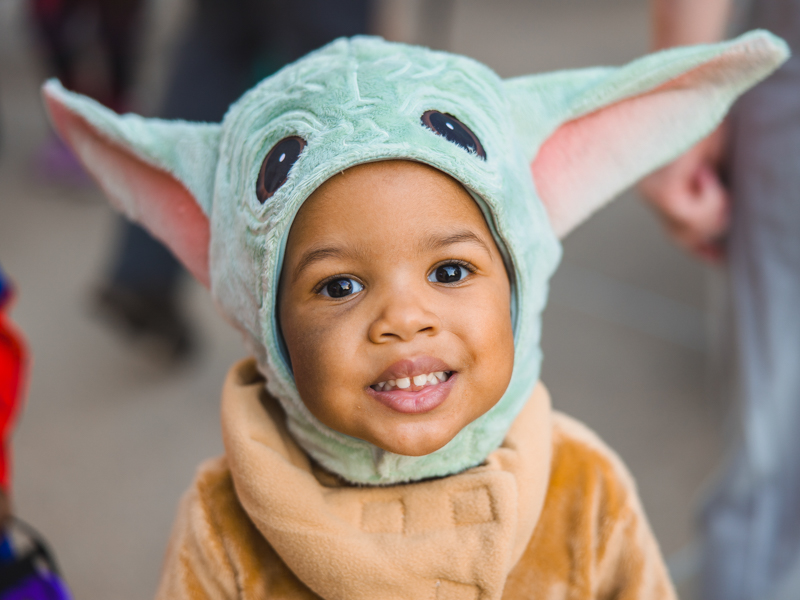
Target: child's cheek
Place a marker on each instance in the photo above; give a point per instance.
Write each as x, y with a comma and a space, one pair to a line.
319, 351
485, 321
308, 351
487, 329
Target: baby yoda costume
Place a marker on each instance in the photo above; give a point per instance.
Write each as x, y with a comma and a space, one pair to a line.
556, 147
552, 513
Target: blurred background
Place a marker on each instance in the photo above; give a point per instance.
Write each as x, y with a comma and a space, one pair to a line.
112, 432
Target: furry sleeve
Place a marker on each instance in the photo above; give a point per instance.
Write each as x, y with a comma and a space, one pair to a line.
593, 541
197, 564
216, 552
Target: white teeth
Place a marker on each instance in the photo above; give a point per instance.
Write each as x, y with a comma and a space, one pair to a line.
418, 380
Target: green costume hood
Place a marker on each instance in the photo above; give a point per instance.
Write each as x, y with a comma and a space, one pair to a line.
557, 147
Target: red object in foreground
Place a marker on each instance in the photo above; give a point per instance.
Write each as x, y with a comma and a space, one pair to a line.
13, 363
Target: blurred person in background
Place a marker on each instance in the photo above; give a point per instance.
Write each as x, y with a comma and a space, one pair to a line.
90, 46
228, 46
735, 199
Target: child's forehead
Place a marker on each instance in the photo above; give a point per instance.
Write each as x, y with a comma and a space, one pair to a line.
387, 190
387, 212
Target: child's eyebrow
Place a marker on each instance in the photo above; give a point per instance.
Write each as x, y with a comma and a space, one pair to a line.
433, 242
436, 242
319, 254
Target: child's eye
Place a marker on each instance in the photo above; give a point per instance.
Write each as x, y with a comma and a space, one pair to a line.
341, 287
449, 273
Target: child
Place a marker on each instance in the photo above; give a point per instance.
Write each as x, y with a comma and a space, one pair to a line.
368, 218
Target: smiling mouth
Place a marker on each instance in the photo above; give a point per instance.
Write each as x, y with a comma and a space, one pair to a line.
415, 383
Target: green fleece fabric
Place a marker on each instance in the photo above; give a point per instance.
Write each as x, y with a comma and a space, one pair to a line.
360, 100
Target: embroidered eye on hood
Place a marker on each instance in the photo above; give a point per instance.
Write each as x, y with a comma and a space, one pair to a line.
453, 130
276, 166
538, 153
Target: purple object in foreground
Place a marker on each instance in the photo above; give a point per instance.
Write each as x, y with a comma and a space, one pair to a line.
40, 586
30, 574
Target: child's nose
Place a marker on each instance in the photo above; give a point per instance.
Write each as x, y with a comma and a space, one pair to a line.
401, 319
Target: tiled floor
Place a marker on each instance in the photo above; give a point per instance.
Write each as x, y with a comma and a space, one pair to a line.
108, 440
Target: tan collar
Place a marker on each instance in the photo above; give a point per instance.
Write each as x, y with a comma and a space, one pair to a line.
457, 537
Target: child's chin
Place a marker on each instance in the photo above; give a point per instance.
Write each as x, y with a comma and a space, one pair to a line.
415, 443
418, 451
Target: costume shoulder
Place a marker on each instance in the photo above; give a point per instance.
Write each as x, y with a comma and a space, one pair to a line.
593, 539
215, 551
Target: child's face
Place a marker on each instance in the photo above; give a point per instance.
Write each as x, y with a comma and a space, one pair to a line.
392, 275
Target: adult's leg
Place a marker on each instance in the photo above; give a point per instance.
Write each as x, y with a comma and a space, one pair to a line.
752, 522
119, 29
51, 18
141, 296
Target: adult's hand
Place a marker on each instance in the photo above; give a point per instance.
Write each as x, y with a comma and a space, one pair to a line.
692, 200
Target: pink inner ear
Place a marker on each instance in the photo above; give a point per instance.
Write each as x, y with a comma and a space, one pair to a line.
146, 194
588, 160
574, 164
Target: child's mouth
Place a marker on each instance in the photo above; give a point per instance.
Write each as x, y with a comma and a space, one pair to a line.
413, 384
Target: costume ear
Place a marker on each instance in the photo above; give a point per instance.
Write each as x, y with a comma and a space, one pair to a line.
158, 173
590, 134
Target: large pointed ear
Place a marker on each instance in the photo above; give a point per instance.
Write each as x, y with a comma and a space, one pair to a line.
590, 134
158, 173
